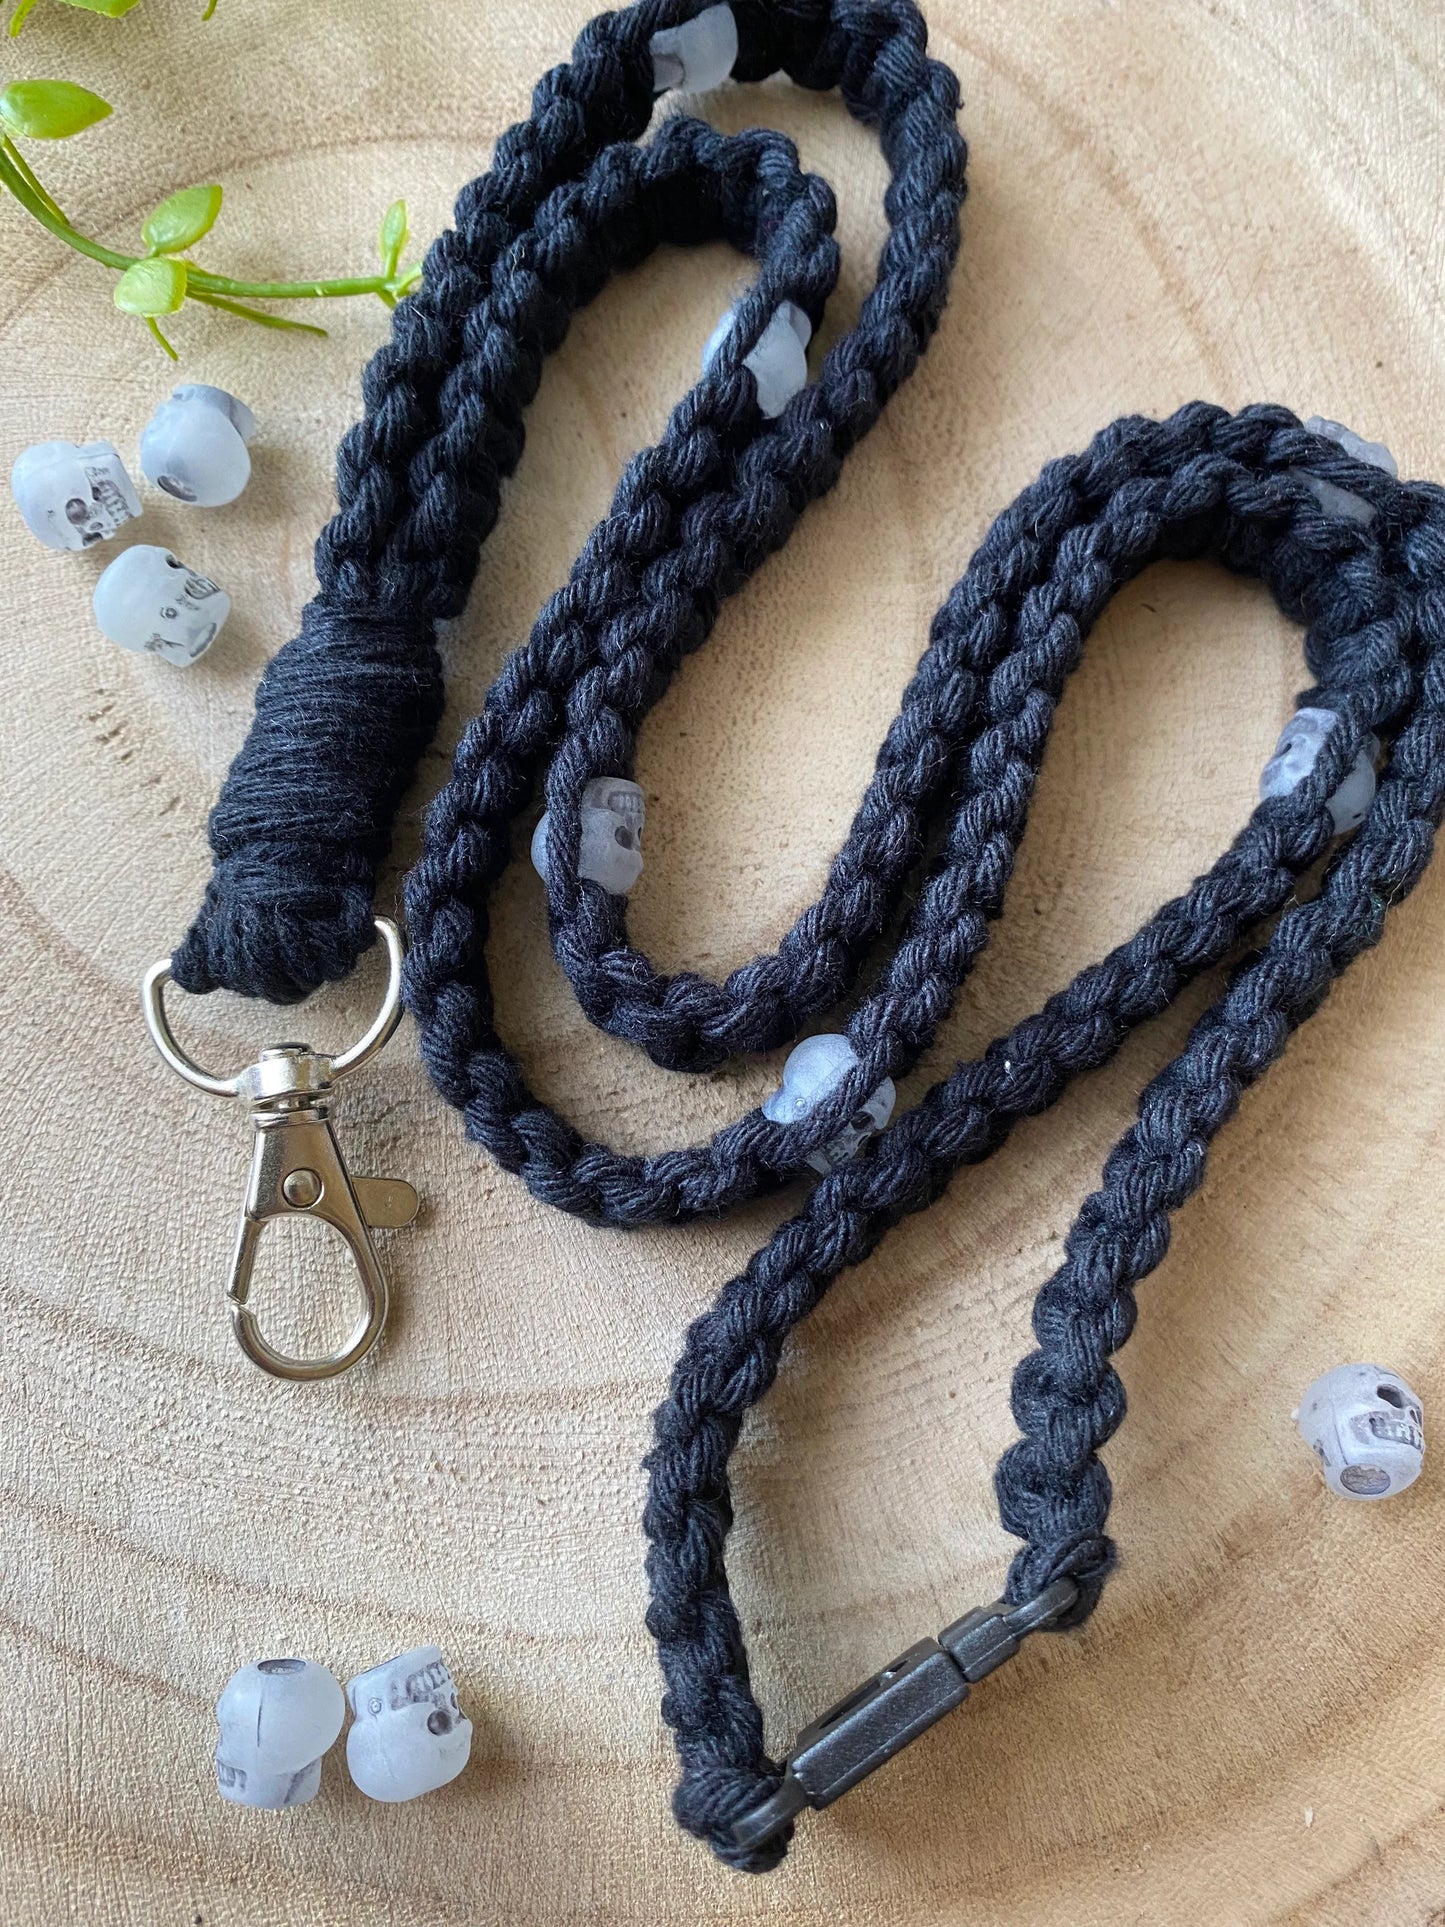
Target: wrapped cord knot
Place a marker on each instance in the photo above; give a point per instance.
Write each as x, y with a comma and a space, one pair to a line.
305, 815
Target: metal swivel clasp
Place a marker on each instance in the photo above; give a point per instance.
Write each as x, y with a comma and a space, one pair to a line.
297, 1169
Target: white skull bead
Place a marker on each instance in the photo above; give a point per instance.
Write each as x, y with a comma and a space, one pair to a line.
277, 1719
613, 812
408, 1735
194, 446
1365, 1426
696, 56
1375, 453
72, 496
148, 601
1333, 499
779, 358
1297, 752
815, 1068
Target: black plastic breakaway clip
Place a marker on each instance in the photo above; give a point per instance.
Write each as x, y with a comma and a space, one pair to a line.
880, 1717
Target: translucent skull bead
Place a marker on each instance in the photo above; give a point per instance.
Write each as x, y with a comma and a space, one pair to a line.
779, 360
194, 446
814, 1069
71, 496
1297, 752
277, 1719
408, 1735
149, 602
1333, 499
1365, 1426
613, 813
696, 56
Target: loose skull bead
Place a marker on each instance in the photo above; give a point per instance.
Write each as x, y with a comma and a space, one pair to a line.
814, 1069
148, 601
71, 496
1297, 752
696, 56
194, 446
778, 360
1366, 1428
277, 1719
609, 852
409, 1735
1333, 499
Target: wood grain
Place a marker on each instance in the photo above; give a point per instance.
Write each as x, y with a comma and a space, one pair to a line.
1196, 197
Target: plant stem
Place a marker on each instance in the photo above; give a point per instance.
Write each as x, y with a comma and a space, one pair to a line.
252, 314
23, 167
155, 328
15, 175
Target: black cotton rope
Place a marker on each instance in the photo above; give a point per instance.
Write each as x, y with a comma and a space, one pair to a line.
345, 710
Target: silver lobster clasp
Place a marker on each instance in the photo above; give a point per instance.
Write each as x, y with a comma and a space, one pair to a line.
297, 1169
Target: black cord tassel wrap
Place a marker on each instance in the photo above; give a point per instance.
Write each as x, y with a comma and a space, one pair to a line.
356, 697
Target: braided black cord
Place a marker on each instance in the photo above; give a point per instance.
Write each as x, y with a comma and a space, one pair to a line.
345, 710
1376, 604
976, 713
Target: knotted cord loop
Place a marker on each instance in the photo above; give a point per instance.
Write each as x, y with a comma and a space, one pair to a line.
1200, 483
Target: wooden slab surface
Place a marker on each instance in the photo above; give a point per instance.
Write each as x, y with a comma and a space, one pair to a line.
1238, 199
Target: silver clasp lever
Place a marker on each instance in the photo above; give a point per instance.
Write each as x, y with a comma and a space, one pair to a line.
297, 1169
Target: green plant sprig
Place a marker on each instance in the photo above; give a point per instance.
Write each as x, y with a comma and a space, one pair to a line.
158, 282
111, 9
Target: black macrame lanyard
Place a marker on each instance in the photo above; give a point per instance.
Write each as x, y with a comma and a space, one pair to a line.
345, 710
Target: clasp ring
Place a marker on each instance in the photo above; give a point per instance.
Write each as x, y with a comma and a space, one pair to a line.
382, 1028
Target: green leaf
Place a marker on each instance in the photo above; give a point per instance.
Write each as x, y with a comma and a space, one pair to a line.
152, 287
112, 9
395, 233
181, 219
50, 110
18, 18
